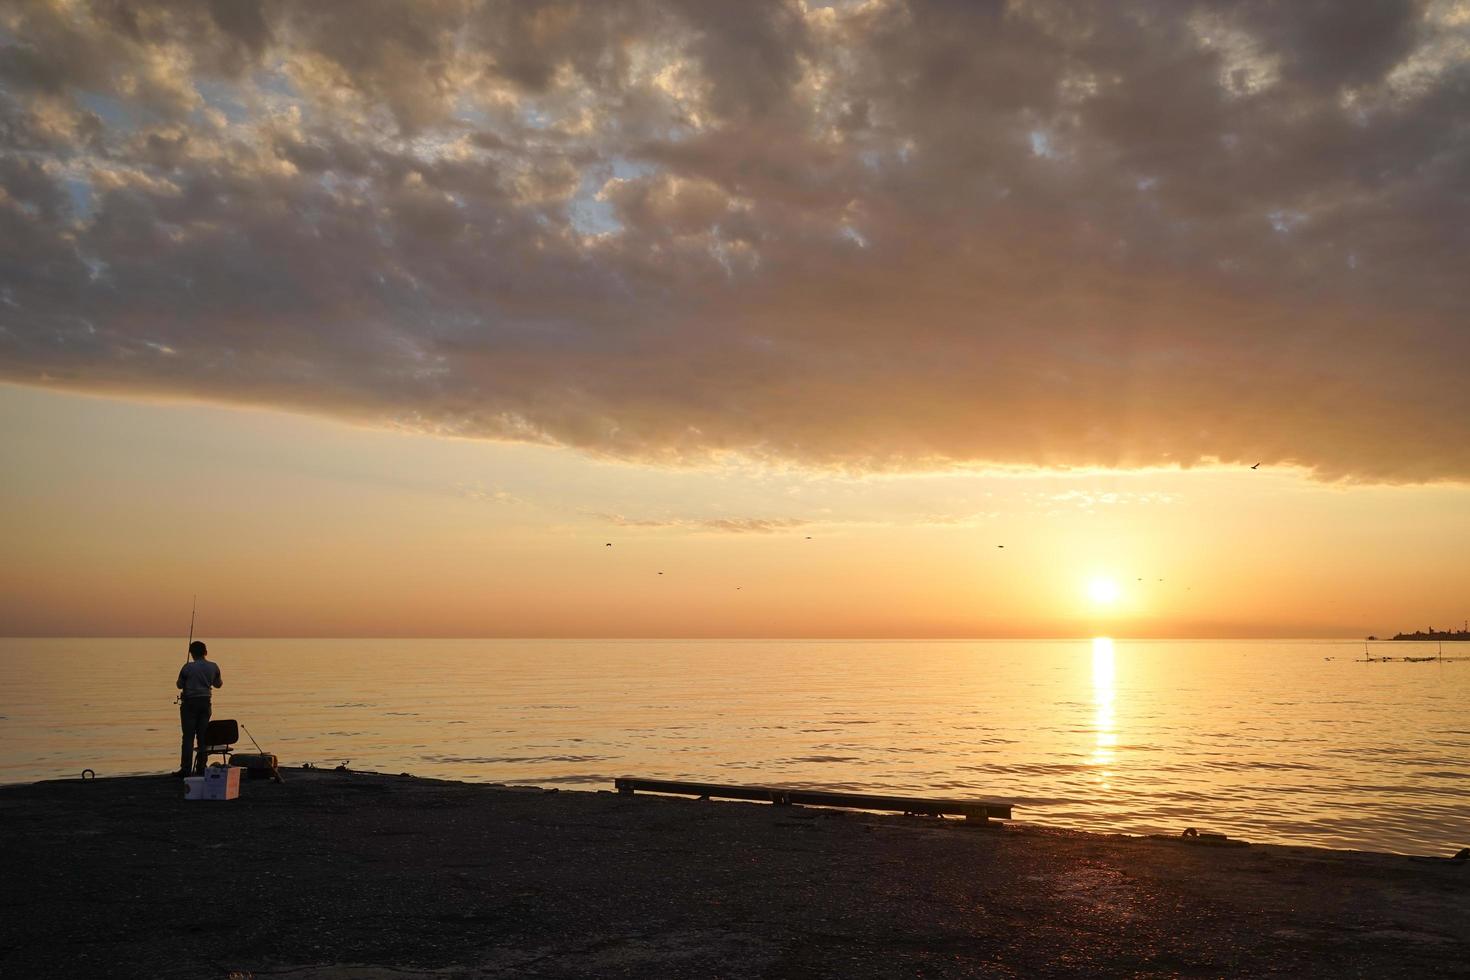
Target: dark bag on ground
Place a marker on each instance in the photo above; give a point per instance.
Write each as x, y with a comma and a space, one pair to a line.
257, 765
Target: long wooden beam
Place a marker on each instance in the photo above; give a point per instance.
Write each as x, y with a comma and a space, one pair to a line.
971, 809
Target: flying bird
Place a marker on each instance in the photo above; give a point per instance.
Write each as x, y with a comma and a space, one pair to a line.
609, 544
1257, 465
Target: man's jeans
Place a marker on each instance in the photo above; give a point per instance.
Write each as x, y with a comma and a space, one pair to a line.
194, 719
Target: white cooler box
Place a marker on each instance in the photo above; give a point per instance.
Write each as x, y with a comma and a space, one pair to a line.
217, 783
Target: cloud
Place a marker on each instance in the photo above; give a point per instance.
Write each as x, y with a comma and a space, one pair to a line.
1090, 500
725, 525
475, 490
871, 235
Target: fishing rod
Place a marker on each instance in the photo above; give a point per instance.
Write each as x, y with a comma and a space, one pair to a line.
275, 770
193, 607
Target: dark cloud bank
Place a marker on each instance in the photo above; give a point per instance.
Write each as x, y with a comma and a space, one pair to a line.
885, 234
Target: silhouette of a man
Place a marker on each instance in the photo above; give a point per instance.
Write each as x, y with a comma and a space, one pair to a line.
197, 680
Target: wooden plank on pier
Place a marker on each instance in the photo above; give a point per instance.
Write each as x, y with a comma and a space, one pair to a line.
972, 809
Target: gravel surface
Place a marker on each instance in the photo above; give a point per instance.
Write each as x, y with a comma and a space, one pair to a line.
347, 875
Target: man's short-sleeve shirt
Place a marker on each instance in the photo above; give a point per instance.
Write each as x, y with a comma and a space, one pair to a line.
199, 677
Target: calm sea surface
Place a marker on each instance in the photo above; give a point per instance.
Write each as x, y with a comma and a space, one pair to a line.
1289, 742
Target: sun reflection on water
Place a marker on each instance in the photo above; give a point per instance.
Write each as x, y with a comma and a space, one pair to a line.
1103, 691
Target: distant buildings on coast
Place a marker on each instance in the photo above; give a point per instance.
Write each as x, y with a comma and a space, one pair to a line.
1433, 634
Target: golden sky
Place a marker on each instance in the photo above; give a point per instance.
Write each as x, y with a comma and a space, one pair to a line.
379, 317
116, 512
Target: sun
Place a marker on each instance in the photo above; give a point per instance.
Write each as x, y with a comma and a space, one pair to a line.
1103, 591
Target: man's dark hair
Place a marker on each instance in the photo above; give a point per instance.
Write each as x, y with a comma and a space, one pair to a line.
198, 649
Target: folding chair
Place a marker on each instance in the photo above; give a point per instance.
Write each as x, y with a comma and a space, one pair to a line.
220, 738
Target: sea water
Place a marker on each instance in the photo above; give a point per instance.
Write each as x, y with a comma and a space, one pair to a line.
1280, 741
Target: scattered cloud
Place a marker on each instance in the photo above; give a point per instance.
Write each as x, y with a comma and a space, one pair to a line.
478, 491
881, 236
1092, 499
758, 525
723, 525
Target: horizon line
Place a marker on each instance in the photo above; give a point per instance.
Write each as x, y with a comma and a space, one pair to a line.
904, 639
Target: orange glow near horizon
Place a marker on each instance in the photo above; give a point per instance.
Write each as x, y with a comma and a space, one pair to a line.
116, 512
